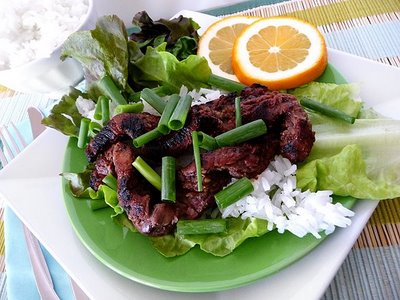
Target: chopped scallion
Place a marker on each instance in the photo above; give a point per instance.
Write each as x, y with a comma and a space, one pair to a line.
234, 192
146, 138
242, 133
326, 110
206, 141
129, 108
147, 172
94, 128
110, 181
203, 226
83, 132
167, 113
153, 99
109, 88
178, 117
105, 109
197, 160
225, 84
97, 112
238, 113
168, 192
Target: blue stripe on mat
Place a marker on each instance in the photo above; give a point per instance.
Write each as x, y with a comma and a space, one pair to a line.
372, 41
240, 7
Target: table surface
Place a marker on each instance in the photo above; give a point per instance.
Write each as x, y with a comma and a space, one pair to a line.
366, 28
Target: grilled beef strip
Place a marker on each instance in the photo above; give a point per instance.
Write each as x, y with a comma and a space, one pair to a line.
283, 115
121, 126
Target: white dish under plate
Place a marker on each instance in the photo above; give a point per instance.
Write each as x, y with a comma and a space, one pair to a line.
38, 203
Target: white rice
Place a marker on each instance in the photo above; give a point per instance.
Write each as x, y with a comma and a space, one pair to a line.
86, 107
200, 96
31, 29
277, 200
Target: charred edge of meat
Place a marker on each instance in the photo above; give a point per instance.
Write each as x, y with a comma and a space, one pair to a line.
104, 165
126, 125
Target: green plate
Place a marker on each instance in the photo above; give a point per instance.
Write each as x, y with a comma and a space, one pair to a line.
133, 256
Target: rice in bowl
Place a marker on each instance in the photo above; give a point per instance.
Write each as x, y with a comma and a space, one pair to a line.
31, 37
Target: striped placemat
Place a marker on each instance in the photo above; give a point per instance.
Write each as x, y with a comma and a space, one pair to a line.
370, 29
366, 28
10, 112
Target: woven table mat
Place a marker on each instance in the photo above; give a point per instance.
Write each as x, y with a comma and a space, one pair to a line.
366, 28
10, 112
370, 29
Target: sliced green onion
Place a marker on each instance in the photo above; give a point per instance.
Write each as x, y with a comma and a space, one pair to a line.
109, 88
146, 138
225, 84
178, 118
167, 113
105, 109
206, 141
242, 133
153, 99
111, 181
203, 226
94, 128
160, 91
83, 132
326, 110
96, 204
147, 172
238, 113
134, 97
168, 191
234, 192
129, 108
197, 160
97, 112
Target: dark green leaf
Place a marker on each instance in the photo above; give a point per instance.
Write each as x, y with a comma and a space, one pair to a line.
184, 47
153, 33
64, 116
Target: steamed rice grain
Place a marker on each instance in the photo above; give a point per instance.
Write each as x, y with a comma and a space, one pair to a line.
32, 29
276, 199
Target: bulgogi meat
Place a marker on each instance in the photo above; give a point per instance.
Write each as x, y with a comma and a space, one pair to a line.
289, 134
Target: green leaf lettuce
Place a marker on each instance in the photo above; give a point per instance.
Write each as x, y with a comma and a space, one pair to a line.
343, 97
64, 116
102, 51
220, 244
158, 67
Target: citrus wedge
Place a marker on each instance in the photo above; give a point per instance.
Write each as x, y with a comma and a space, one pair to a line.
216, 43
279, 52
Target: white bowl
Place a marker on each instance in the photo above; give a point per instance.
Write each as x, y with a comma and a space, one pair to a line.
49, 74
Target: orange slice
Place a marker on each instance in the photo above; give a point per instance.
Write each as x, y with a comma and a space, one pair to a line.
216, 43
280, 53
